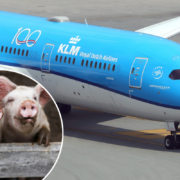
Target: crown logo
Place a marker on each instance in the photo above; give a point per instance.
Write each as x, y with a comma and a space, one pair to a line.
74, 40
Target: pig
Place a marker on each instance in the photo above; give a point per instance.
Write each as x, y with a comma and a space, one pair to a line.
22, 118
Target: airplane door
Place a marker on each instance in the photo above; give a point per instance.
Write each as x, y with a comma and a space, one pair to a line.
136, 73
46, 57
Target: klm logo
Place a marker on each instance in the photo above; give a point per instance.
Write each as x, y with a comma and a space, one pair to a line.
64, 49
71, 50
74, 40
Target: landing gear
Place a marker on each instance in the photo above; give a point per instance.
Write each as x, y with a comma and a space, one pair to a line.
169, 142
64, 108
172, 141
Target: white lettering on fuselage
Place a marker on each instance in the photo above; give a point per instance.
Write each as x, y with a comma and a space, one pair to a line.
109, 78
98, 57
64, 49
61, 48
109, 58
159, 87
25, 38
74, 50
85, 55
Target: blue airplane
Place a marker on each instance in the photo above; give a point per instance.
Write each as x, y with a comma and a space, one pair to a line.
116, 71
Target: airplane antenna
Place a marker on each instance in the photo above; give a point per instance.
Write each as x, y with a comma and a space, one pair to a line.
86, 21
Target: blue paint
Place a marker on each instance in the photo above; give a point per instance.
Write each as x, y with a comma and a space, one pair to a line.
99, 45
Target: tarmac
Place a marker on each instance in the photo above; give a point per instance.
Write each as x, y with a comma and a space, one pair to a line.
99, 145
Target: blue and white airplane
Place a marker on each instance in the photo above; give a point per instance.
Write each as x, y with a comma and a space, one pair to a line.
116, 71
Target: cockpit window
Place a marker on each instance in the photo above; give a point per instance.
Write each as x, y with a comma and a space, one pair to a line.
175, 74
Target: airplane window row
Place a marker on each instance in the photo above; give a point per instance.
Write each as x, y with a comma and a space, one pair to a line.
101, 65
11, 50
61, 59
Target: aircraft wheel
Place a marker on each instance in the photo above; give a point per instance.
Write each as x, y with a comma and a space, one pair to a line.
169, 142
64, 108
178, 142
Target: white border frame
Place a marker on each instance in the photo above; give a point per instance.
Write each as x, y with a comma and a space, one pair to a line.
62, 142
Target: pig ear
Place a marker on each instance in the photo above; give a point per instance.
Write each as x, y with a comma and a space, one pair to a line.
6, 86
1, 114
44, 97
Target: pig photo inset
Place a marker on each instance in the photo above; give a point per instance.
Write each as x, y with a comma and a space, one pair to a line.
31, 128
21, 112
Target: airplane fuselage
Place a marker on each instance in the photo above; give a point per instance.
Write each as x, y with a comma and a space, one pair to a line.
106, 69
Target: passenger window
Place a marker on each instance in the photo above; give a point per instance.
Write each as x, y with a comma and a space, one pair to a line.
10, 50
132, 71
82, 62
60, 59
69, 61
100, 65
87, 63
74, 61
109, 66
91, 63
23, 52
14, 50
27, 52
113, 67
2, 48
175, 74
65, 59
104, 66
43, 56
31, 54
6, 49
95, 65
56, 58
18, 51
35, 54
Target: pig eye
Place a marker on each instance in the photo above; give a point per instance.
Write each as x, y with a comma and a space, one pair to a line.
35, 98
10, 100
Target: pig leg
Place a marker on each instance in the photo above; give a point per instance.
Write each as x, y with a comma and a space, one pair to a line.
44, 136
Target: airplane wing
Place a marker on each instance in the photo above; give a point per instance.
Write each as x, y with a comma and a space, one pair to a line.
165, 29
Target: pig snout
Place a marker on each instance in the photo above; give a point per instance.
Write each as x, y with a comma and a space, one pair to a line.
28, 109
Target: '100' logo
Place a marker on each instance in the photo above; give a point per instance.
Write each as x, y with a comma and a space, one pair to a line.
26, 37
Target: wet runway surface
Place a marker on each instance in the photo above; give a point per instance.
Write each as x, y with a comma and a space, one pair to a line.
100, 145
